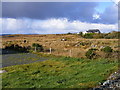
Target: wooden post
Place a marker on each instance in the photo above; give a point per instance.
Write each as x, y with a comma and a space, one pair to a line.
35, 49
50, 50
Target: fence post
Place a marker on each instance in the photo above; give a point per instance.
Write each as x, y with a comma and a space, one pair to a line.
50, 50
35, 49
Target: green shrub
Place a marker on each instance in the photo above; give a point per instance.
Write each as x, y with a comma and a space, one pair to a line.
88, 35
90, 53
9, 46
98, 35
16, 47
69, 33
107, 49
81, 34
37, 47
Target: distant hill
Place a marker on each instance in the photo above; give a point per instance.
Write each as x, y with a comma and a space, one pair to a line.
4, 34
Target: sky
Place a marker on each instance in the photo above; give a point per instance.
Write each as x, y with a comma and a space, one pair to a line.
58, 17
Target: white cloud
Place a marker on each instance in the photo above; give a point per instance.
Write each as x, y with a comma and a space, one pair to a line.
50, 26
116, 1
96, 16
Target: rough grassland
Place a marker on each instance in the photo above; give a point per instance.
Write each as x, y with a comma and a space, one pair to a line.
75, 43
59, 72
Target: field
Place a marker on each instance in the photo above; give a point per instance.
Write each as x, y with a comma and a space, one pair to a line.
59, 72
65, 67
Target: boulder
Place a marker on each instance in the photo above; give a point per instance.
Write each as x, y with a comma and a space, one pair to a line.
2, 71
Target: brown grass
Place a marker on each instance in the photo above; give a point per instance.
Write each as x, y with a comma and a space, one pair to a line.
61, 48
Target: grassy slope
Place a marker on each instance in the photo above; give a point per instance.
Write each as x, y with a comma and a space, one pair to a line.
59, 73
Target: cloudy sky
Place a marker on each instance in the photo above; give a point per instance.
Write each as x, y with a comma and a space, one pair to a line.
57, 17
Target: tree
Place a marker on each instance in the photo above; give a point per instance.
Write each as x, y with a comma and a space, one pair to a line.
69, 33
81, 34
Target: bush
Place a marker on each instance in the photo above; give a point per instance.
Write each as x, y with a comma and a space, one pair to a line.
37, 47
25, 41
81, 33
90, 53
69, 33
107, 49
16, 47
98, 35
88, 35
9, 46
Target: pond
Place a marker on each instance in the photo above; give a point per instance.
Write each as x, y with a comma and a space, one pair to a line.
10, 59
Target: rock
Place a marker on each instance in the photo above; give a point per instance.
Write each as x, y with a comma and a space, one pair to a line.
106, 82
63, 39
76, 45
2, 71
101, 47
93, 46
113, 82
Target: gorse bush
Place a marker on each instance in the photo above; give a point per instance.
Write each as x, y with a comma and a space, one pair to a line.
107, 49
90, 53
